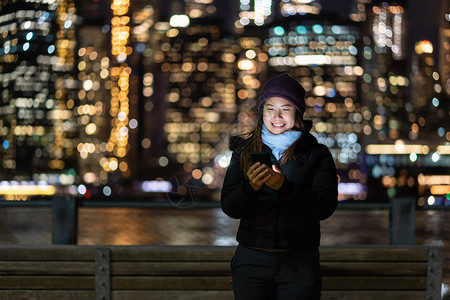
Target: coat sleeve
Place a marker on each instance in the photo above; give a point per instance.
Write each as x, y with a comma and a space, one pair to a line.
237, 193
322, 192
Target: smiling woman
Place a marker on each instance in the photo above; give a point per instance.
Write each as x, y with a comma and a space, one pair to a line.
279, 205
278, 115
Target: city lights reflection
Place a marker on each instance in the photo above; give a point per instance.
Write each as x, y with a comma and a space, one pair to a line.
397, 149
353, 191
23, 190
156, 186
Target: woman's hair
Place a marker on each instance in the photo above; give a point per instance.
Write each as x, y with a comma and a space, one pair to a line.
254, 143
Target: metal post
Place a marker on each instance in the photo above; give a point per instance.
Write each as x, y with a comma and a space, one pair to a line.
64, 220
434, 272
402, 221
102, 274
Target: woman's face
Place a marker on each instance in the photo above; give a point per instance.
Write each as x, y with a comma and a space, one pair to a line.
278, 115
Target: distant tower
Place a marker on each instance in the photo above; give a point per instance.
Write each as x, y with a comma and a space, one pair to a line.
147, 137
200, 100
429, 103
37, 73
422, 83
257, 12
388, 28
93, 105
402, 102
385, 81
444, 47
109, 71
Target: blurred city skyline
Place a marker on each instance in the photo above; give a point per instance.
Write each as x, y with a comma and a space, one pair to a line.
107, 99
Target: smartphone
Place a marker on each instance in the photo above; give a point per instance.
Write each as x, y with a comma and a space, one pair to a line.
262, 157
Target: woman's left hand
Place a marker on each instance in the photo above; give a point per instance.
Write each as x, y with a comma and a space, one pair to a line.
276, 179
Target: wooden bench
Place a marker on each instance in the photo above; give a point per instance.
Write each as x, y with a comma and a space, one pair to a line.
202, 272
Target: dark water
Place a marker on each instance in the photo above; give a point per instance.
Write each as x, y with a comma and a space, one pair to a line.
207, 226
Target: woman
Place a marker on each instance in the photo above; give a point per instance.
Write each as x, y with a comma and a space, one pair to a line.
279, 206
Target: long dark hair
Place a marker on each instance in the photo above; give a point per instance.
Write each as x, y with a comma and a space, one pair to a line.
254, 143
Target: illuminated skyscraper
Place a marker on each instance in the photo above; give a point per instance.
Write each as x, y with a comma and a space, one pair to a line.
385, 81
444, 62
115, 82
70, 111
147, 137
37, 73
199, 63
254, 12
444, 50
92, 109
388, 28
384, 88
429, 111
425, 90
402, 104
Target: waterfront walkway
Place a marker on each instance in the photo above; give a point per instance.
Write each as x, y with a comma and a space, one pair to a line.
207, 226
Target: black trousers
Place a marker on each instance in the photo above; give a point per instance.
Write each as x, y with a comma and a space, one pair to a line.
262, 275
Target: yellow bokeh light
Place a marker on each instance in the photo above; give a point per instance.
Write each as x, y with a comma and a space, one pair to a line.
91, 128
123, 166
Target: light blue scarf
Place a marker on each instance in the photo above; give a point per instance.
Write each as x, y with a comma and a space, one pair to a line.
279, 142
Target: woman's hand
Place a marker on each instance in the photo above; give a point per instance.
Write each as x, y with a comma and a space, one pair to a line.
258, 175
276, 178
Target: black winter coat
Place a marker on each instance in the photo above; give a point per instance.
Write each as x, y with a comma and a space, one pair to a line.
290, 217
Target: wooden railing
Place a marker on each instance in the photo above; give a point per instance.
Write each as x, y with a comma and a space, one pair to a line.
202, 272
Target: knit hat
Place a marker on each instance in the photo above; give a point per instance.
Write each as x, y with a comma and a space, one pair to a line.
286, 87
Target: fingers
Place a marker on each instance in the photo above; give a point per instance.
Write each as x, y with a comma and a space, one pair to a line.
276, 179
252, 168
262, 176
255, 169
258, 175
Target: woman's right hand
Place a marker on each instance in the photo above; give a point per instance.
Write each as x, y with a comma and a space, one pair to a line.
257, 175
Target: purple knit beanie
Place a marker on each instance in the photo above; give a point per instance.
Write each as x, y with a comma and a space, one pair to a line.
286, 87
